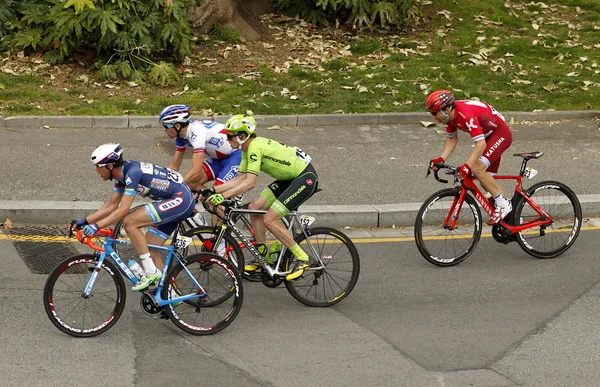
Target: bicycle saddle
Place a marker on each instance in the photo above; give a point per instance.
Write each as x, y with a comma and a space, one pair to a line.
529, 155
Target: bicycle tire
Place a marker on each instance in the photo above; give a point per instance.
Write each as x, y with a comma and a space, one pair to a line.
206, 236
330, 285
217, 310
63, 296
442, 246
562, 204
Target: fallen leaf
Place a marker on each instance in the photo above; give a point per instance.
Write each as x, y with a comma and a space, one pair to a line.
427, 123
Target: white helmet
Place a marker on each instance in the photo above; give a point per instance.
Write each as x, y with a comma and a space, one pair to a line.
106, 154
174, 114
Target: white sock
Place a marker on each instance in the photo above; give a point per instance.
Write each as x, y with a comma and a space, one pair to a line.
500, 201
147, 263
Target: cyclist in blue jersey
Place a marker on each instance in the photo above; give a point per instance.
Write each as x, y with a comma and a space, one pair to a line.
174, 202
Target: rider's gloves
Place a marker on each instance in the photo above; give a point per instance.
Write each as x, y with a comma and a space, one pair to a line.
216, 199
79, 223
436, 162
91, 229
207, 192
464, 171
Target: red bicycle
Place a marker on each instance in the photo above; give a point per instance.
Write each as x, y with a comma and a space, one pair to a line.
545, 220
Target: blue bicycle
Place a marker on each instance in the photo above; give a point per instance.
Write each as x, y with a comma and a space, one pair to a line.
84, 295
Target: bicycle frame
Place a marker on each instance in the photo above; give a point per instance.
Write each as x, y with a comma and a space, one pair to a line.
294, 224
468, 185
107, 250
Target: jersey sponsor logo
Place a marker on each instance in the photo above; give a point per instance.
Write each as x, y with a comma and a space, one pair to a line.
253, 157
128, 181
471, 124
494, 147
169, 205
141, 190
283, 162
286, 201
146, 167
160, 184
193, 136
216, 141
233, 171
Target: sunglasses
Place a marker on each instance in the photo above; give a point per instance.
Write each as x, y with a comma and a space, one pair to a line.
231, 136
168, 126
434, 113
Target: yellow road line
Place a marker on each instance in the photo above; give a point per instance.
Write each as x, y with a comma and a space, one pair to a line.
41, 238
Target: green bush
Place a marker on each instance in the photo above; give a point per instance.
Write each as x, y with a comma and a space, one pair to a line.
126, 35
360, 13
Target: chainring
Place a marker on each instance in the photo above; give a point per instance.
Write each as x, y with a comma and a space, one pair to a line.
501, 235
271, 282
149, 306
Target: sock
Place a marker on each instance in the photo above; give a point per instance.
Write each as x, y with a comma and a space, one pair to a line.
147, 263
299, 253
500, 201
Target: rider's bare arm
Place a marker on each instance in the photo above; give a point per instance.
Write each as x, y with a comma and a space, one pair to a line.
196, 176
449, 147
118, 213
231, 183
106, 209
176, 161
246, 185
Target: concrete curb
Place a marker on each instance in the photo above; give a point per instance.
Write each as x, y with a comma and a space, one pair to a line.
280, 120
382, 215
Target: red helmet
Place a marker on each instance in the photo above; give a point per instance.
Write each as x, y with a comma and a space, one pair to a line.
439, 99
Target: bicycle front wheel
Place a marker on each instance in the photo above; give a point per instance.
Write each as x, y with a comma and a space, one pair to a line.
74, 314
209, 313
561, 203
334, 270
204, 241
436, 241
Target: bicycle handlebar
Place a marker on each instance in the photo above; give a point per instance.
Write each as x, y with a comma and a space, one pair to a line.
452, 171
88, 240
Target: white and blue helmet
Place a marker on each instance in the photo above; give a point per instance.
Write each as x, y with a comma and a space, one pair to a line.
106, 154
174, 114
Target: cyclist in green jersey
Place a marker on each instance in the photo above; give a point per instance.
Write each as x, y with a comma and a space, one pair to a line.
296, 181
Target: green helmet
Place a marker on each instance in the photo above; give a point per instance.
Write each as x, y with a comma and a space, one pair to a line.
241, 124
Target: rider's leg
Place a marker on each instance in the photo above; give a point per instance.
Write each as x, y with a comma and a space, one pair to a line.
258, 224
133, 224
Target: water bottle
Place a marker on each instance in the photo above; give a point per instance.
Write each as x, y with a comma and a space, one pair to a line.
136, 269
199, 219
274, 252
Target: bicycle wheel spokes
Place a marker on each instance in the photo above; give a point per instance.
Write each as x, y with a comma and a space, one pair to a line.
75, 315
216, 309
438, 243
204, 241
562, 205
334, 271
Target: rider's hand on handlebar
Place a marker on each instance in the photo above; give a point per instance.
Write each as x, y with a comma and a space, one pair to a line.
91, 229
464, 171
436, 163
216, 199
207, 192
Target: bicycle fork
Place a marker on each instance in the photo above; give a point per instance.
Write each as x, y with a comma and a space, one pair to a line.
452, 217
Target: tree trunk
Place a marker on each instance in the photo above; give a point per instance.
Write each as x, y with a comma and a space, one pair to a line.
228, 13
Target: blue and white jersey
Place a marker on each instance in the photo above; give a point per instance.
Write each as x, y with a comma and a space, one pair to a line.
149, 180
208, 137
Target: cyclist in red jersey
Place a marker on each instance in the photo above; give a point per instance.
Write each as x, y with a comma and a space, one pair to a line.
488, 130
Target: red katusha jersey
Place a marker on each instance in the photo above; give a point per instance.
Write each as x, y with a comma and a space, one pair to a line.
476, 118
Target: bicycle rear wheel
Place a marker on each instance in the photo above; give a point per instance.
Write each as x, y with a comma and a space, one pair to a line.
224, 294
204, 241
561, 203
439, 244
332, 283
75, 315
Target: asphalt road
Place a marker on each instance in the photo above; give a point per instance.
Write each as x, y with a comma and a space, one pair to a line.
501, 318
381, 164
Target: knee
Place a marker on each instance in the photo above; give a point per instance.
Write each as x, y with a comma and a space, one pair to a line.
270, 220
479, 169
253, 206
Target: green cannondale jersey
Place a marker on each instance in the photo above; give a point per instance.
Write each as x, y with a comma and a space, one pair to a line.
283, 162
